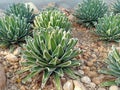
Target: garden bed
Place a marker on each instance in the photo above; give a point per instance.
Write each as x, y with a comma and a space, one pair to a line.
92, 60
94, 54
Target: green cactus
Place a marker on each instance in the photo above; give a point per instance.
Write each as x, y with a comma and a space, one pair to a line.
108, 28
13, 30
113, 68
22, 11
89, 11
116, 7
53, 53
52, 18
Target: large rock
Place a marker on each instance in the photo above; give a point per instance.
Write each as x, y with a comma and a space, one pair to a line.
32, 6
2, 78
68, 85
78, 85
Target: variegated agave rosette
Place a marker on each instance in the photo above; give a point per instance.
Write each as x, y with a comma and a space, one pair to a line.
113, 67
108, 28
21, 10
13, 30
116, 7
53, 53
89, 11
52, 18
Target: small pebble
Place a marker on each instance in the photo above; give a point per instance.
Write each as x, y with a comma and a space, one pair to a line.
68, 85
101, 89
90, 63
17, 51
63, 80
13, 87
86, 80
97, 80
114, 87
78, 85
94, 56
22, 88
81, 72
11, 58
92, 85
92, 74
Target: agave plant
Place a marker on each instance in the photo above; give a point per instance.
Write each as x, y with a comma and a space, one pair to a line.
113, 68
13, 30
52, 18
89, 11
53, 54
116, 7
108, 28
21, 10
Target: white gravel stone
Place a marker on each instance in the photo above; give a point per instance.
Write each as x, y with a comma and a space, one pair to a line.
92, 85
78, 85
68, 85
114, 87
86, 80
101, 89
11, 58
17, 51
81, 72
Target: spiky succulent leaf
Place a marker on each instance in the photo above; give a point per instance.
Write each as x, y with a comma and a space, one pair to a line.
70, 72
46, 75
21, 10
54, 60
33, 73
113, 68
13, 29
108, 28
108, 83
57, 81
116, 7
117, 81
89, 11
54, 19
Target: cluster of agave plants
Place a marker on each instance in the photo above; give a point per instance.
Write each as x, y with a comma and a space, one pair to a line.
49, 45
96, 14
113, 68
106, 24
